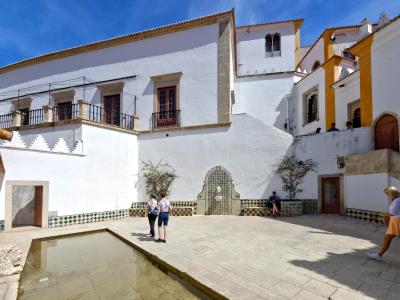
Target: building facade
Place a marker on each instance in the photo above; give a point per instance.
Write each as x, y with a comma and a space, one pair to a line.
199, 94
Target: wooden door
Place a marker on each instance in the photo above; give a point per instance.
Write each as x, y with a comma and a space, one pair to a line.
167, 106
330, 195
38, 205
112, 109
387, 133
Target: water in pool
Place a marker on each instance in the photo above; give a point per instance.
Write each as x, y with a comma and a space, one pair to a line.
94, 266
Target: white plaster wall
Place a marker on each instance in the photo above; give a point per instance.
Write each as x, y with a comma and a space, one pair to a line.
263, 97
316, 53
344, 39
350, 92
324, 149
385, 70
315, 79
366, 191
251, 50
249, 149
192, 52
103, 179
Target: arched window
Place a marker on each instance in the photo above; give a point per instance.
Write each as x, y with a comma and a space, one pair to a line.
268, 43
348, 54
357, 118
276, 42
310, 106
315, 65
273, 45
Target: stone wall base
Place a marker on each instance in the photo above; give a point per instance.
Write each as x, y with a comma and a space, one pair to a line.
365, 215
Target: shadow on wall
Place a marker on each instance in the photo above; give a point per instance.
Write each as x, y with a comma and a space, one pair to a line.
249, 149
281, 118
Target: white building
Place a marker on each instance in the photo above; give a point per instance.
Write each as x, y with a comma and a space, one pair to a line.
196, 94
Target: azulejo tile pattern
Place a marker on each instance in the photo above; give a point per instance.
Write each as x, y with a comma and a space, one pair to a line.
179, 208
366, 215
289, 208
87, 218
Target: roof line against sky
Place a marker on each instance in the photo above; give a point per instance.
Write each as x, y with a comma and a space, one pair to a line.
375, 31
320, 36
271, 23
119, 40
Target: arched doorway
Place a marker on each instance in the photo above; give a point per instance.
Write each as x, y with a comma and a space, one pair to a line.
387, 133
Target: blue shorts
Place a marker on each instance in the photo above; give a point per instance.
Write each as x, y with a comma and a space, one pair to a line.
163, 218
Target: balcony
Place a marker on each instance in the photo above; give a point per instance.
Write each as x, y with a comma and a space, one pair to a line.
166, 119
67, 113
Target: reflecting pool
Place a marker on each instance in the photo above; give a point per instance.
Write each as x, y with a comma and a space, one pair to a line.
95, 266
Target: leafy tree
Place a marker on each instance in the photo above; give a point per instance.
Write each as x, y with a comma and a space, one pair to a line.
292, 172
158, 177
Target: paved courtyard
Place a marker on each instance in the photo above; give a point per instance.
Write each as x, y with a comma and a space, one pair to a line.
308, 257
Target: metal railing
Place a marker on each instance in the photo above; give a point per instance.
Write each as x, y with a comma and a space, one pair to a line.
112, 117
70, 112
32, 117
166, 119
66, 112
6, 120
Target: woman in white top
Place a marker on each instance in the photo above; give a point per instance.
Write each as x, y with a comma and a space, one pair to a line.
394, 221
152, 213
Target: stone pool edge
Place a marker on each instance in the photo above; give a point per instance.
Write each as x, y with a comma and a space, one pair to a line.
162, 264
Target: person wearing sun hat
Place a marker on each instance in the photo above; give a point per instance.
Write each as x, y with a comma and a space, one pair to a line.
394, 221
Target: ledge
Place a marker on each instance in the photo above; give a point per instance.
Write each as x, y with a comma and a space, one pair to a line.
191, 127
72, 122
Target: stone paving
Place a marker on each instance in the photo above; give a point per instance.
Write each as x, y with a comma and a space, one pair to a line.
307, 257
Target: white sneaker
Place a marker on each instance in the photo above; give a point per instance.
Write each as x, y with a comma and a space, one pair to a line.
375, 256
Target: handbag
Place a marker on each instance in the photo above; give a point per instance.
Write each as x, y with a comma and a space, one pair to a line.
153, 212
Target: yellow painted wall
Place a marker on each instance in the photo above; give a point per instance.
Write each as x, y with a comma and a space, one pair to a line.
363, 51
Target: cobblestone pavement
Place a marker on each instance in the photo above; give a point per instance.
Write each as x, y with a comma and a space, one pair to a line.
308, 257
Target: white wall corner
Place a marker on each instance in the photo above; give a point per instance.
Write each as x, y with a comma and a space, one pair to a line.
61, 146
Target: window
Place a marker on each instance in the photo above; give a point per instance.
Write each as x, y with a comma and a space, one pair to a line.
354, 113
273, 45
310, 106
167, 113
316, 65
347, 54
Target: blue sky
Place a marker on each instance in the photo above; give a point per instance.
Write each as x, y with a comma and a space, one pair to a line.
33, 27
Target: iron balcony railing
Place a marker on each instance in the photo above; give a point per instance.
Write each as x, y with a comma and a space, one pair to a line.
32, 117
112, 117
6, 120
70, 112
166, 119
66, 112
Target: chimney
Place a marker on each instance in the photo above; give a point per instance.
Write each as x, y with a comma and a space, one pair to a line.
366, 28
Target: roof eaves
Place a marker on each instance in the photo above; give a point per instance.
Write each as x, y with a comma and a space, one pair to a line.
116, 40
300, 21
